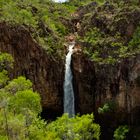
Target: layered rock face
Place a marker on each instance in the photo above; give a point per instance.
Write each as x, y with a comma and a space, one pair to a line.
116, 84
96, 85
34, 63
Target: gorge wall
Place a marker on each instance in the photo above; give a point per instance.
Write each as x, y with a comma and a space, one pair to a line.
32, 61
98, 84
94, 84
105, 60
118, 84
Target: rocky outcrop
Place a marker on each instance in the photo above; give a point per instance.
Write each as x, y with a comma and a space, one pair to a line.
32, 61
96, 85
109, 18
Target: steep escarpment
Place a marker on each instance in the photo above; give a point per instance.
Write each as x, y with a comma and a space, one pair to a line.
107, 67
108, 32
116, 85
32, 61
95, 85
105, 63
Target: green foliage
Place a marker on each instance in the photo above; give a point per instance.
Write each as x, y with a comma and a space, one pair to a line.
4, 99
104, 109
19, 120
105, 49
3, 78
120, 132
134, 44
102, 36
25, 101
11, 12
96, 57
47, 21
16, 126
19, 84
6, 61
122, 50
73, 128
38, 129
93, 40
19, 109
92, 36
41, 18
107, 107
3, 138
19, 105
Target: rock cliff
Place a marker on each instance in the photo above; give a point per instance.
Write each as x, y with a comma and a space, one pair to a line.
95, 84
33, 62
118, 84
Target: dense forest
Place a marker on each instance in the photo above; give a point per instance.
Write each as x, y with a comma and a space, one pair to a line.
70, 70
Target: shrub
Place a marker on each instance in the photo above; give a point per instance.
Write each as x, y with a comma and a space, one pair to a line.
74, 128
120, 132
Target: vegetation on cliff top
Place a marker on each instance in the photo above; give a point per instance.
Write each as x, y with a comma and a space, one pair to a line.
108, 30
44, 19
110, 33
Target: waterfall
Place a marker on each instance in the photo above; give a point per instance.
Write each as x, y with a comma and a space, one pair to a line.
68, 87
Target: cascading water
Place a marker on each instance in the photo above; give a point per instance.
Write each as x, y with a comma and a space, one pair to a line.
68, 87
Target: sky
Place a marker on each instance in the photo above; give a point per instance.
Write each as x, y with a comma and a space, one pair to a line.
59, 0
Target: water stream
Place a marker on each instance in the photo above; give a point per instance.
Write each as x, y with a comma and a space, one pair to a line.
69, 106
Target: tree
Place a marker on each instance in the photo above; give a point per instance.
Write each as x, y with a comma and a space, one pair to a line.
120, 132
6, 63
19, 105
78, 128
19, 113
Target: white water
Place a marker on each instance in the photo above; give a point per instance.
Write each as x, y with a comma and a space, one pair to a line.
68, 87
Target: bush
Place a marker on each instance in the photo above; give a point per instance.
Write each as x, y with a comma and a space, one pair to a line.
120, 132
77, 128
19, 115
